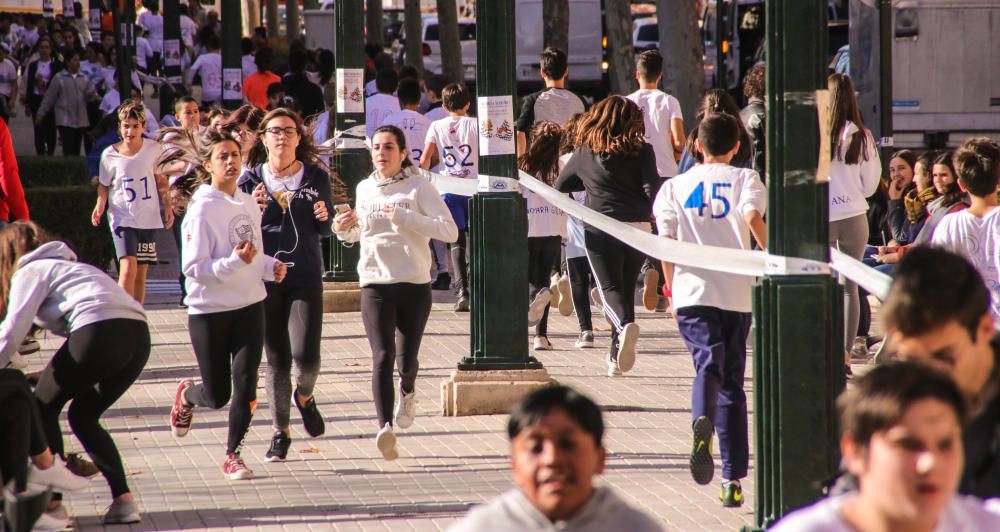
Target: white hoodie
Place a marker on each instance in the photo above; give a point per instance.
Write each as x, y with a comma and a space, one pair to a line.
217, 278
396, 250
57, 293
850, 184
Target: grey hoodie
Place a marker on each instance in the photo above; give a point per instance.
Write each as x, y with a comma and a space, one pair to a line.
57, 293
604, 512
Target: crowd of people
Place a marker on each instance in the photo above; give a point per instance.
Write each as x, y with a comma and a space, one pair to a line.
250, 197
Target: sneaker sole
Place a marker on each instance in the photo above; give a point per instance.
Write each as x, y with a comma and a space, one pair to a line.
242, 475
702, 463
276, 458
130, 519
626, 347
565, 297
537, 308
586, 345
179, 432
650, 297
386, 443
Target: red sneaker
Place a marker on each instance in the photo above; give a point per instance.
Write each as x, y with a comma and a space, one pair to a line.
181, 415
235, 469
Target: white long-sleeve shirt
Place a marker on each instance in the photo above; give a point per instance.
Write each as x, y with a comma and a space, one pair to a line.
394, 249
209, 66
51, 289
217, 278
850, 184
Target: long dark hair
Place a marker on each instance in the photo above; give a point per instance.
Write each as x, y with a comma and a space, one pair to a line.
719, 101
400, 141
613, 126
191, 148
307, 151
16, 240
541, 159
954, 193
843, 109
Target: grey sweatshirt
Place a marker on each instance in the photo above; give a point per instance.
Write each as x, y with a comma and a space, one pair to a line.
57, 293
513, 511
69, 94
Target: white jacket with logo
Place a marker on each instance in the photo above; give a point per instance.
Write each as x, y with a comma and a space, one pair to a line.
850, 184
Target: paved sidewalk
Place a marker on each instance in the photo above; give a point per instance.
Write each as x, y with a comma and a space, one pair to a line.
338, 481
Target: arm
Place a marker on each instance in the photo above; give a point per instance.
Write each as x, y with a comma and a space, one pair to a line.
435, 222
27, 293
522, 142
429, 158
871, 170
50, 99
324, 226
753, 205
163, 187
102, 203
346, 226
757, 227
524, 121
677, 137
10, 180
198, 262
648, 173
897, 219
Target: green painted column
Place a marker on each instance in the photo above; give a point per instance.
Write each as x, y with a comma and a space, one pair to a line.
352, 163
232, 55
798, 344
171, 57
499, 225
123, 20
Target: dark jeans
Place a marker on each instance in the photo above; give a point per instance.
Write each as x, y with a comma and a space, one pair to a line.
228, 346
21, 431
394, 316
71, 137
109, 354
45, 133
543, 257
615, 266
460, 263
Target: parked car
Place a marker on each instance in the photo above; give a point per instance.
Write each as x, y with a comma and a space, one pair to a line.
645, 35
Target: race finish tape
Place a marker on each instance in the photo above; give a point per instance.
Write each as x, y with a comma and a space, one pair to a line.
351, 139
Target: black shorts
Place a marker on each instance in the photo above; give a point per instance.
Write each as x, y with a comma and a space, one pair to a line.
138, 243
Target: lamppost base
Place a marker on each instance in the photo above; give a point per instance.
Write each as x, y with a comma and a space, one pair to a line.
341, 297
473, 392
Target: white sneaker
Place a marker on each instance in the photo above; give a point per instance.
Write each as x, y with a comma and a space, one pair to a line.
542, 344
49, 523
57, 476
122, 513
626, 346
537, 306
554, 287
406, 409
586, 340
595, 296
386, 443
613, 370
17, 361
565, 296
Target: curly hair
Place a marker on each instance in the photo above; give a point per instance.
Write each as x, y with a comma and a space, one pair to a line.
568, 142
541, 159
613, 126
755, 83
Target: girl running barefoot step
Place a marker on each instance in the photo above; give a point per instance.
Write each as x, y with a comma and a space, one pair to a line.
225, 285
398, 212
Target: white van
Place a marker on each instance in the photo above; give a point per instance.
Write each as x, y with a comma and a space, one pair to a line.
586, 34
432, 45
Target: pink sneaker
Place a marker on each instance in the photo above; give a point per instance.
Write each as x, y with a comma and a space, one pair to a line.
235, 469
181, 415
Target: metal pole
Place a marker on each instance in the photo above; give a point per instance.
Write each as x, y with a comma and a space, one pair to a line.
720, 55
171, 55
499, 225
885, 82
799, 334
94, 20
353, 163
232, 64
123, 15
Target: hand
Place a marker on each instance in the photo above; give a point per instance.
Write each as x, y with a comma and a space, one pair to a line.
169, 218
389, 210
279, 271
319, 210
260, 196
345, 220
885, 250
95, 217
896, 188
39, 120
245, 251
891, 258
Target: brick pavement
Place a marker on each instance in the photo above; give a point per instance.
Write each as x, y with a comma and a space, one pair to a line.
339, 481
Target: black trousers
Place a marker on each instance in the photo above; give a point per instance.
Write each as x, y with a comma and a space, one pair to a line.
109, 354
543, 257
228, 346
71, 137
21, 431
45, 133
580, 281
615, 266
395, 316
176, 231
460, 263
293, 317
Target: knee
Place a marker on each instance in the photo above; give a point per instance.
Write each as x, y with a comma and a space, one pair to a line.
216, 401
80, 418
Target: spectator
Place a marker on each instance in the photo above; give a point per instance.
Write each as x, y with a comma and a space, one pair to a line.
12, 203
553, 103
382, 60
209, 67
8, 83
152, 21
275, 95
255, 86
382, 104
39, 74
68, 95
754, 116
413, 124
307, 94
556, 436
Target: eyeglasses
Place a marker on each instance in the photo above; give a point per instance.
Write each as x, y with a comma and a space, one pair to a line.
277, 131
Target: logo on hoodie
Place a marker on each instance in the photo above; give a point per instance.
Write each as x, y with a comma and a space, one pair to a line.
241, 230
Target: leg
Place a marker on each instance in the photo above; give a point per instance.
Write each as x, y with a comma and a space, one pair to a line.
139, 285
50, 133
550, 251
607, 263
277, 375
579, 280
128, 269
413, 315
176, 230
305, 328
851, 237
731, 419
210, 341
246, 340
379, 314
630, 270
15, 422
701, 331
460, 264
38, 129
538, 276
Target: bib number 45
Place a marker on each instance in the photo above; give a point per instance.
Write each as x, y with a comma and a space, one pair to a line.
697, 200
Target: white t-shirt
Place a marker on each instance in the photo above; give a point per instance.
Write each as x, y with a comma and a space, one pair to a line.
414, 126
188, 31
975, 239
457, 142
143, 51
8, 73
436, 113
209, 66
544, 219
963, 514
154, 25
377, 108
706, 205
658, 110
133, 200
370, 89
43, 74
289, 183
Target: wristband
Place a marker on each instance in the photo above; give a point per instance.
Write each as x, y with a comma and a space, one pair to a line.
666, 291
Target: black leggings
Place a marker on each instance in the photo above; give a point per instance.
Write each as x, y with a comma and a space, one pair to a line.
615, 266
543, 257
394, 316
228, 346
460, 264
21, 432
580, 281
293, 329
110, 354
45, 133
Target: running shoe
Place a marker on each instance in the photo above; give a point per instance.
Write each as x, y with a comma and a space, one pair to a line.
122, 513
542, 344
536, 308
29, 346
662, 304
17, 361
859, 351
49, 523
586, 340
701, 463
443, 282
57, 476
650, 294
80, 466
235, 469
626, 346
613, 370
181, 415
462, 305
311, 417
386, 443
731, 494
554, 287
278, 451
565, 296
406, 409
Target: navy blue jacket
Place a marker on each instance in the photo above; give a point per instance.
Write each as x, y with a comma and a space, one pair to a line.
294, 236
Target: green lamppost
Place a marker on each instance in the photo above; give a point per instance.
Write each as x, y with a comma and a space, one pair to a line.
232, 55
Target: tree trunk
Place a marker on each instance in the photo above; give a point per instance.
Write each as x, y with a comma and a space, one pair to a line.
451, 47
373, 23
294, 27
683, 55
273, 18
414, 35
555, 24
621, 59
